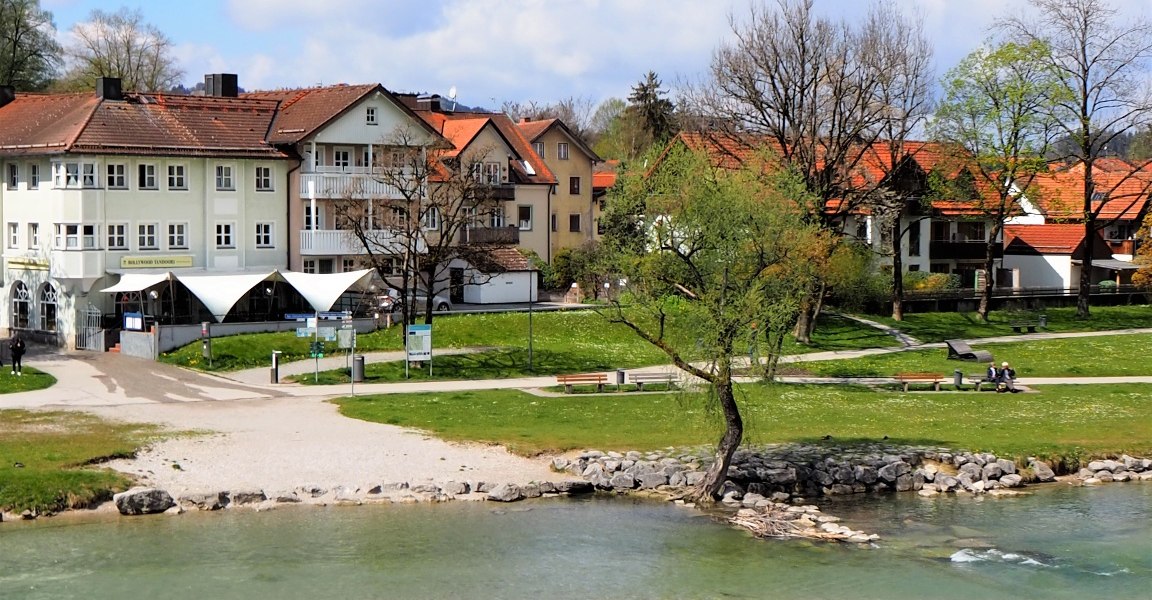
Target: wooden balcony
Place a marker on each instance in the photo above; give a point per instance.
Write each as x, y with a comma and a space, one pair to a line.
1122, 246
509, 235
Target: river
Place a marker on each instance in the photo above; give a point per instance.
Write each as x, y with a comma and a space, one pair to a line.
1061, 542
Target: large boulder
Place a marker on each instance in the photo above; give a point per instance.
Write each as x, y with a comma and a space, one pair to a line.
143, 501
253, 496
1042, 471
204, 500
891, 471
506, 492
573, 486
650, 481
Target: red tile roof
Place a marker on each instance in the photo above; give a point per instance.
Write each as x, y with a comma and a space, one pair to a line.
462, 135
1123, 190
507, 258
536, 128
602, 180
1061, 238
140, 124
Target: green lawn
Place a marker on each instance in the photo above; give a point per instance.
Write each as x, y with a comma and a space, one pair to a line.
32, 379
1064, 421
1103, 356
53, 448
940, 326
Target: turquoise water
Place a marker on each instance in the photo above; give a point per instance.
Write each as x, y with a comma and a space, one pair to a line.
1063, 542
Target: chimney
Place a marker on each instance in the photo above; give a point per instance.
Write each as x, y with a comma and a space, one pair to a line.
221, 85
108, 88
431, 103
7, 94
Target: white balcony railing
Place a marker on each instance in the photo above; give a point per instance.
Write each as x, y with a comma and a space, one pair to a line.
325, 242
354, 182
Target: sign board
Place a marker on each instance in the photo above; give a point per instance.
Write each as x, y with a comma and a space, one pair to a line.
310, 322
134, 321
327, 333
155, 262
298, 316
335, 315
303, 332
345, 338
419, 342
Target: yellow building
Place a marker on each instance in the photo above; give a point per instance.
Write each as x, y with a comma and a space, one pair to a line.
574, 213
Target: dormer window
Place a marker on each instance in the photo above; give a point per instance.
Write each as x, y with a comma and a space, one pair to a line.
370, 116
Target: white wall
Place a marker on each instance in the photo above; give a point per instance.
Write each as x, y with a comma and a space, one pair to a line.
352, 128
1051, 271
501, 288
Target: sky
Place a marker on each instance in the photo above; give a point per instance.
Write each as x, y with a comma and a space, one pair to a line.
491, 51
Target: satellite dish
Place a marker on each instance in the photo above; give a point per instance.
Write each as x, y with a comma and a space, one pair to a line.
452, 96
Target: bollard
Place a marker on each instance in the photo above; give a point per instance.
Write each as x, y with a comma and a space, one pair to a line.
958, 378
275, 371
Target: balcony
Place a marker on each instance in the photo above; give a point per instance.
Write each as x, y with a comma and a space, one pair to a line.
509, 235
940, 250
350, 182
328, 242
1122, 246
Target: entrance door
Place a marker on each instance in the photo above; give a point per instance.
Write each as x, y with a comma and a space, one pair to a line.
456, 285
325, 265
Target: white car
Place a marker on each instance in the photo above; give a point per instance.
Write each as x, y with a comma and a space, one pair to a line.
390, 301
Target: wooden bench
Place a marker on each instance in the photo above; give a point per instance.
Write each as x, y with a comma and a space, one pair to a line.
980, 381
1020, 325
907, 378
641, 378
597, 379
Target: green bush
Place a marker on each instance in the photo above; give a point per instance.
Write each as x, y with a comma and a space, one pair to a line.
923, 281
1107, 286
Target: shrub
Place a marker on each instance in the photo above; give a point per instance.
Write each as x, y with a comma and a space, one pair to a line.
1107, 286
923, 281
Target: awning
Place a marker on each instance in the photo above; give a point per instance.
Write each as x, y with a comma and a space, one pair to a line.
322, 290
1111, 263
138, 282
219, 293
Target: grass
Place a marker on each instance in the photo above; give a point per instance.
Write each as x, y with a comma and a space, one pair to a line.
571, 340
940, 326
1065, 421
1103, 356
53, 449
32, 379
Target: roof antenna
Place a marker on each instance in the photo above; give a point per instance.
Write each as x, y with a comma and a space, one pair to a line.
452, 97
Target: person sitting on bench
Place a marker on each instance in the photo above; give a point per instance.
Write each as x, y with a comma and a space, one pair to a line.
992, 375
1007, 380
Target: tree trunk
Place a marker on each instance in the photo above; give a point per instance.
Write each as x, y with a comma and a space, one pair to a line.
897, 274
989, 265
1083, 295
803, 329
717, 473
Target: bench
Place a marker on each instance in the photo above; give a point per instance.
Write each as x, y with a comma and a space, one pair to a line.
960, 350
641, 378
907, 378
979, 381
1020, 326
597, 379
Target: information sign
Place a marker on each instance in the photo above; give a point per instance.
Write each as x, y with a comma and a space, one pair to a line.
419, 345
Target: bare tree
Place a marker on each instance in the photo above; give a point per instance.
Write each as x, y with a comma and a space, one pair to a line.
1101, 59
122, 45
822, 94
424, 225
29, 53
575, 111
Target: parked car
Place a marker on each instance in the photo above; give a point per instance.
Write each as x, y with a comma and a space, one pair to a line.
390, 301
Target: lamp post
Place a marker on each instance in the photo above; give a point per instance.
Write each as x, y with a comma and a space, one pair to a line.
531, 289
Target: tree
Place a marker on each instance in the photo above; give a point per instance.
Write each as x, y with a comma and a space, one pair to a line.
575, 111
821, 94
1143, 275
29, 54
724, 256
995, 122
649, 105
122, 45
1101, 61
414, 235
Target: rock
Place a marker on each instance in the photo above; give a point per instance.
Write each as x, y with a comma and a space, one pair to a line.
677, 480
174, 510
1113, 466
241, 497
823, 478
547, 487
560, 463
928, 493
1121, 476
204, 500
345, 495
650, 481
456, 488
977, 487
611, 466
484, 487
750, 500
622, 481
425, 488
531, 490
1006, 466
991, 470
1085, 473
694, 478
904, 483
972, 470
866, 474
1011, 480
506, 492
143, 501
1105, 476
571, 486
1097, 465
593, 470
781, 496
285, 497
891, 471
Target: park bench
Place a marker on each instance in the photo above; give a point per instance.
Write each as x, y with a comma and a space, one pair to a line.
960, 350
597, 379
641, 378
979, 381
907, 378
1020, 325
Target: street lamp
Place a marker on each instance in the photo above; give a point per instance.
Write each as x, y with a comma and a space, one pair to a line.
531, 289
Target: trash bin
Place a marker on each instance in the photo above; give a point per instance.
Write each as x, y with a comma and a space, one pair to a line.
619, 376
1042, 321
958, 377
358, 368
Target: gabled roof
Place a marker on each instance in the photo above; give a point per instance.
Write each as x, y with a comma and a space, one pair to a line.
304, 111
140, 124
1060, 239
1123, 191
460, 128
533, 130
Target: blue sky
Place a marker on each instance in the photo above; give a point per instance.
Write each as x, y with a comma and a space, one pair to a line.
490, 50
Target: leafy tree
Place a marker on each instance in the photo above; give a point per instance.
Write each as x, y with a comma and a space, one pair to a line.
1101, 60
29, 53
995, 123
122, 45
1143, 275
724, 262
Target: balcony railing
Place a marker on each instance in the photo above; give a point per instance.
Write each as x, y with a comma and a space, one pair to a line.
490, 235
324, 242
940, 250
348, 184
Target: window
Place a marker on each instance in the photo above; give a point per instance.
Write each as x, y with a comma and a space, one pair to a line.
13, 176
309, 265
309, 221
67, 237
264, 236
574, 186
555, 220
88, 172
33, 176
13, 235
177, 177
862, 230
491, 173
263, 179
224, 236
970, 231
941, 231
33, 235
370, 115
48, 300
524, 217
177, 236
118, 236
146, 236
347, 265
497, 218
341, 159
431, 218
398, 214
21, 304
224, 178
66, 175
574, 223
562, 151
146, 177
117, 176
538, 148
914, 239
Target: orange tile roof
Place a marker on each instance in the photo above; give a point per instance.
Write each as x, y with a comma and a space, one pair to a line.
535, 129
140, 124
461, 136
1064, 238
1123, 188
602, 180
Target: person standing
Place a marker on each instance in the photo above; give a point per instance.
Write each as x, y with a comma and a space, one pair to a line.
17, 348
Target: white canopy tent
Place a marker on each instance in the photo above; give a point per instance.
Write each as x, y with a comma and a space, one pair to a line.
219, 293
323, 290
138, 282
